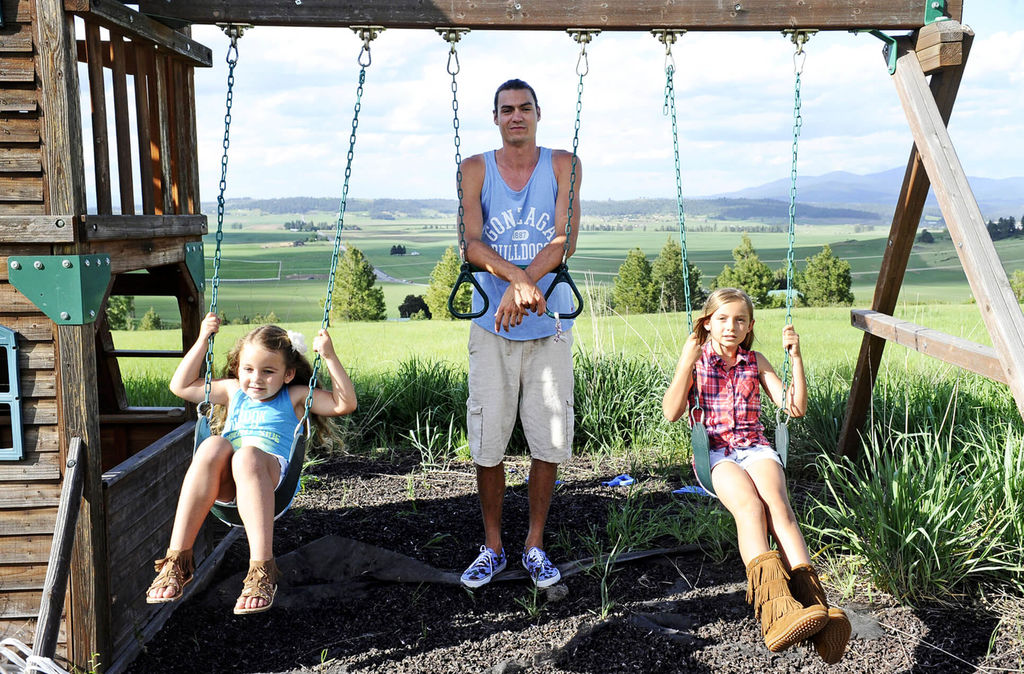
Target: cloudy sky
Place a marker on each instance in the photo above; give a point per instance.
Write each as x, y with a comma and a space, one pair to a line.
295, 90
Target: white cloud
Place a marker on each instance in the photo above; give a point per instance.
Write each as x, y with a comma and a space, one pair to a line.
293, 109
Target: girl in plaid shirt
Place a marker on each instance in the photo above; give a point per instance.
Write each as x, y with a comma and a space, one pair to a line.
720, 376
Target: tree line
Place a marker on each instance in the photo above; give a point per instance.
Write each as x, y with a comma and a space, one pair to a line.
640, 286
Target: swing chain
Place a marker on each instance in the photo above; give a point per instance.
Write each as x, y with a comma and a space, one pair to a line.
582, 37
368, 33
453, 35
799, 38
667, 38
234, 32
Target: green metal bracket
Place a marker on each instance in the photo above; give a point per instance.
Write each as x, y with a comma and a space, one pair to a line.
935, 10
196, 264
890, 48
10, 394
67, 288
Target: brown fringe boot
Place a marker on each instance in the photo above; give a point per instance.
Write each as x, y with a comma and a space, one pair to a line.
784, 621
831, 641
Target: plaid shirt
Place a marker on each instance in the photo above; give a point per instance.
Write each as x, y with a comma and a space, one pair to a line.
730, 399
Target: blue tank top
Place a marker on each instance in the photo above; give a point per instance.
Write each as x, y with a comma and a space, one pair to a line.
517, 225
268, 425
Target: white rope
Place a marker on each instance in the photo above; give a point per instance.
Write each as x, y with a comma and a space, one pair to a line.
21, 657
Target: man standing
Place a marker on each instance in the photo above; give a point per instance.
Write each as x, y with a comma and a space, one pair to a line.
516, 207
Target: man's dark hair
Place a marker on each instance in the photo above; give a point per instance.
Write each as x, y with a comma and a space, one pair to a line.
515, 85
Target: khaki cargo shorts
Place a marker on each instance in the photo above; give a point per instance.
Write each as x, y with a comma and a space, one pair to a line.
531, 378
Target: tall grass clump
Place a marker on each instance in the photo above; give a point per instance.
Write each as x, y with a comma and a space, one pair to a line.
618, 404
932, 512
402, 403
817, 432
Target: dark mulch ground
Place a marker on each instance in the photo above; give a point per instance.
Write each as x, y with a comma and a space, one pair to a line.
671, 613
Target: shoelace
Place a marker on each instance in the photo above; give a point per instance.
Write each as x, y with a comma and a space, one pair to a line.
486, 562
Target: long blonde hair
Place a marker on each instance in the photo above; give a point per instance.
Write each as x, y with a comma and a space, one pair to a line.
716, 299
274, 338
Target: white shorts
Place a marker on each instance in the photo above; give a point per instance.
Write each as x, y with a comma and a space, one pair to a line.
532, 379
743, 457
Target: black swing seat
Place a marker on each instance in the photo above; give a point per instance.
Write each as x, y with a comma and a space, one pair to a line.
285, 492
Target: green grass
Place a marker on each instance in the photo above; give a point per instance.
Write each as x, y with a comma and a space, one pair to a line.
827, 339
932, 512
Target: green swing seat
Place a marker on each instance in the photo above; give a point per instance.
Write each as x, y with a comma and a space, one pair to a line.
285, 492
702, 451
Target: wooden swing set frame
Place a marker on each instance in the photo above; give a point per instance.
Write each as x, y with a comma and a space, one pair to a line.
69, 372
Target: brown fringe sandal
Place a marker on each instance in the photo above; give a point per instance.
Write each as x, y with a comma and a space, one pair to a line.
784, 621
831, 641
174, 570
260, 582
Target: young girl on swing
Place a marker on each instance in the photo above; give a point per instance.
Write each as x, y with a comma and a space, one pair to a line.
249, 459
720, 376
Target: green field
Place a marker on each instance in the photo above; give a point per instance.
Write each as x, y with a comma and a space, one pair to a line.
827, 339
262, 249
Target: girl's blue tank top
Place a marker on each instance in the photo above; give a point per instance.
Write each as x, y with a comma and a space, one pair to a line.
269, 425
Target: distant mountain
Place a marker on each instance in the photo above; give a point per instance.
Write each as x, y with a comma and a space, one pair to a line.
831, 197
842, 187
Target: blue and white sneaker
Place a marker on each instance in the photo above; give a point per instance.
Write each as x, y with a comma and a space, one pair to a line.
486, 565
540, 568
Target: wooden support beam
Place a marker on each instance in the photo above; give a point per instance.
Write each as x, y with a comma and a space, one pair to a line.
136, 254
944, 87
98, 100
130, 23
160, 134
143, 80
37, 228
120, 227
56, 583
940, 45
184, 145
89, 604
119, 77
549, 15
136, 353
174, 129
193, 166
963, 353
999, 308
159, 282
